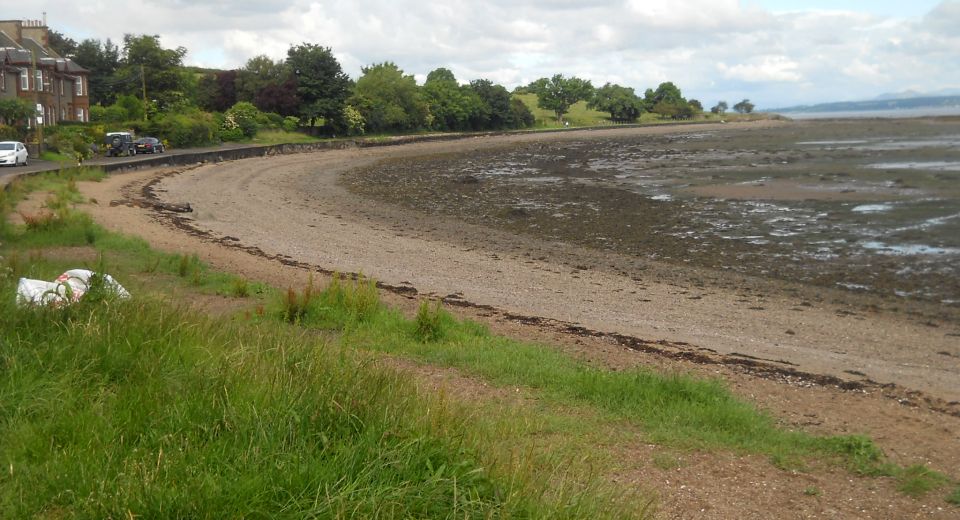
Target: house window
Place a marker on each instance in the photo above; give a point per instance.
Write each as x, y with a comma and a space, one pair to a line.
38, 80
79, 84
80, 114
61, 87
24, 79
3, 79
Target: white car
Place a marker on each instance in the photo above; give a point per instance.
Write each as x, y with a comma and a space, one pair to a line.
13, 152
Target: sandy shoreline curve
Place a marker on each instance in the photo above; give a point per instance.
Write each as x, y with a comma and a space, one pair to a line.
294, 206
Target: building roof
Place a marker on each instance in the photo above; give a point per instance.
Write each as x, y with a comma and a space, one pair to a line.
7, 41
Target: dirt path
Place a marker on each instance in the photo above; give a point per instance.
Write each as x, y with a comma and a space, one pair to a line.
292, 206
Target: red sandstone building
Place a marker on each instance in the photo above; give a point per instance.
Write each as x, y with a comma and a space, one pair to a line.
57, 84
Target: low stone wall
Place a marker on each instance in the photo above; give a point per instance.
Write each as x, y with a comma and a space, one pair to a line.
226, 154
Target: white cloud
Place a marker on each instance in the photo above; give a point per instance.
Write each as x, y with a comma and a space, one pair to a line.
763, 69
712, 49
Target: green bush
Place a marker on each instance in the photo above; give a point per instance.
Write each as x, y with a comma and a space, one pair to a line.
290, 124
243, 116
12, 133
181, 130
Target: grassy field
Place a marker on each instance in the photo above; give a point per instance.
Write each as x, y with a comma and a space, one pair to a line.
296, 402
580, 115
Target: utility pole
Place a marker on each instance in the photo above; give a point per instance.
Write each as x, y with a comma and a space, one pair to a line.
36, 98
143, 86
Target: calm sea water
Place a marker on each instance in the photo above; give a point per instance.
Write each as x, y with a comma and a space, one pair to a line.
863, 114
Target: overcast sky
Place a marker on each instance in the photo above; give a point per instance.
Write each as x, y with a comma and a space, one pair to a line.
775, 52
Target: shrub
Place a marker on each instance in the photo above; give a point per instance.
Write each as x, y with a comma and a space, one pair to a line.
244, 116
290, 124
11, 133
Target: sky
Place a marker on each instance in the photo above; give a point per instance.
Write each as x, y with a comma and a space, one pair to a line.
776, 53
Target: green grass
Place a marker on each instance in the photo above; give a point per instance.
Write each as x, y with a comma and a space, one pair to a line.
113, 407
227, 400
117, 408
579, 114
57, 157
917, 481
954, 498
281, 137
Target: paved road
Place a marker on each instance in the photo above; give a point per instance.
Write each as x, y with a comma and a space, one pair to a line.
8, 173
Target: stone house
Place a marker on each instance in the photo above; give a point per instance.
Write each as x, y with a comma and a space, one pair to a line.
58, 85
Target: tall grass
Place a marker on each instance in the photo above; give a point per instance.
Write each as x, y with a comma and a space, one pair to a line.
112, 410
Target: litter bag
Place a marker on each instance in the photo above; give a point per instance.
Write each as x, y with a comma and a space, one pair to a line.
69, 287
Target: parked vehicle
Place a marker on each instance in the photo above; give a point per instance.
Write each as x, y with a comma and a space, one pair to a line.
149, 145
120, 143
13, 153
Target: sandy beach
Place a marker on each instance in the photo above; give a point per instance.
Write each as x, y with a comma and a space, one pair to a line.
276, 218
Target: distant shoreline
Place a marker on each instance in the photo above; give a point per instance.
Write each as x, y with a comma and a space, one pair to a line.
901, 113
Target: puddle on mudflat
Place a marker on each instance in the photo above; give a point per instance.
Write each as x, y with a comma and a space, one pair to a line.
805, 202
936, 166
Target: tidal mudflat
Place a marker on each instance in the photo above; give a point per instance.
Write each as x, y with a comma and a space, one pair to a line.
865, 206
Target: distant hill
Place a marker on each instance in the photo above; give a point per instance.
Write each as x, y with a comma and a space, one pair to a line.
876, 104
910, 94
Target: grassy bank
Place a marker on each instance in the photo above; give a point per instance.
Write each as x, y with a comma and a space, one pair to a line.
291, 403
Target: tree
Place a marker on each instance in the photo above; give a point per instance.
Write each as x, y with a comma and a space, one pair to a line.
744, 107
321, 84
666, 93
161, 68
720, 108
102, 59
61, 44
451, 106
520, 114
388, 99
441, 74
621, 102
559, 93
696, 105
280, 98
496, 111
15, 111
259, 72
216, 92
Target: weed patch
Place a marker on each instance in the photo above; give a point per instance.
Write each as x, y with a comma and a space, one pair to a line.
916, 481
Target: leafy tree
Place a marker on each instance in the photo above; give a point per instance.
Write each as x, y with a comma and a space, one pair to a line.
388, 99
451, 106
61, 44
132, 107
621, 102
102, 59
441, 74
520, 114
217, 91
162, 69
720, 108
496, 111
321, 84
744, 107
15, 111
559, 93
281, 98
696, 105
259, 72
668, 101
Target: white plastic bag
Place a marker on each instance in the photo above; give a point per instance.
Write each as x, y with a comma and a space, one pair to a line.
69, 287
